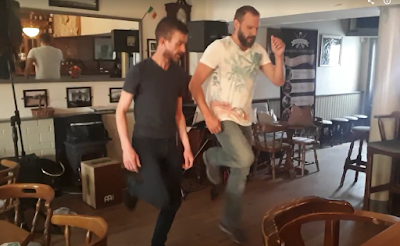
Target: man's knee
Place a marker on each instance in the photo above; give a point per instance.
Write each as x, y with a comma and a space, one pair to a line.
245, 157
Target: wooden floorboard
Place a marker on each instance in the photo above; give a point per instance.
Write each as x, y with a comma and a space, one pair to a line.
196, 223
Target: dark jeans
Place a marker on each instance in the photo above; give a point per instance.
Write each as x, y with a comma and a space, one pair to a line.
159, 183
235, 152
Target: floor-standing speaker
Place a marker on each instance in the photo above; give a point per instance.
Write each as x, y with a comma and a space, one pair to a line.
203, 33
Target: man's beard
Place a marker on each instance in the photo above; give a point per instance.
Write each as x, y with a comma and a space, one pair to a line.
246, 41
172, 57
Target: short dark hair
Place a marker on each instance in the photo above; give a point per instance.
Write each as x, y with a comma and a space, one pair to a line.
242, 11
45, 38
166, 27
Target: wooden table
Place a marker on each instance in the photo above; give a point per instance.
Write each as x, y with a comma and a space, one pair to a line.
12, 233
389, 237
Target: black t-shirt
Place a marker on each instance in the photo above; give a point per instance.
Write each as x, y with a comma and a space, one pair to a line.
155, 92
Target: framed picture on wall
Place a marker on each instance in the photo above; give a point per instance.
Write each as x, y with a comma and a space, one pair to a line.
331, 50
79, 97
77, 4
33, 97
115, 94
151, 47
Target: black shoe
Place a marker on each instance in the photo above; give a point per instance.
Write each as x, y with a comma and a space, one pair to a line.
213, 172
236, 235
130, 201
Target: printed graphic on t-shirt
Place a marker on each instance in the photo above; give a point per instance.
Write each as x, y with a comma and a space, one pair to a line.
230, 89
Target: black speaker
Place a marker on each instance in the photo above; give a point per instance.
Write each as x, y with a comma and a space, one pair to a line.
126, 41
203, 33
10, 35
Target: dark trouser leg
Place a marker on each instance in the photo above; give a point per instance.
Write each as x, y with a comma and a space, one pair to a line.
235, 152
161, 172
172, 171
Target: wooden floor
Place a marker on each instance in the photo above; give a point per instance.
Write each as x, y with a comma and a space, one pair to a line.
196, 222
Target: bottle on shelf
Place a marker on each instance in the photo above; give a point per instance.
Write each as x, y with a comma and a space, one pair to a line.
50, 30
51, 18
40, 17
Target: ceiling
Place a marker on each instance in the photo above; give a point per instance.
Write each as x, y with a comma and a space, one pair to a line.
320, 16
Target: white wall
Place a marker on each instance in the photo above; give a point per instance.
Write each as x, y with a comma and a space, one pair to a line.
330, 80
93, 26
56, 93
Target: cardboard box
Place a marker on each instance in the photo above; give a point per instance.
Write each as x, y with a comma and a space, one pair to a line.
101, 182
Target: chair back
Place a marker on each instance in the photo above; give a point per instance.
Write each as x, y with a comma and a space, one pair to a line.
268, 137
96, 225
10, 174
301, 116
12, 193
282, 225
396, 116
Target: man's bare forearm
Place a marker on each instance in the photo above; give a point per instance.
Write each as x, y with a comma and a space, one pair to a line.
278, 71
122, 128
198, 95
181, 124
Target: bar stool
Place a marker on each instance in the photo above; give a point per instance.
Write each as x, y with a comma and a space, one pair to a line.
327, 124
339, 126
352, 123
362, 119
358, 133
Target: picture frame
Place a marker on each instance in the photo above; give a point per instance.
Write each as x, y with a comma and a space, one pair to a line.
31, 98
151, 47
331, 51
78, 97
115, 94
76, 4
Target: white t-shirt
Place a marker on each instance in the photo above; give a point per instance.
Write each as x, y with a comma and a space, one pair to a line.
47, 62
230, 87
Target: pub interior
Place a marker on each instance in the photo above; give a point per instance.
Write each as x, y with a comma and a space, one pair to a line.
326, 143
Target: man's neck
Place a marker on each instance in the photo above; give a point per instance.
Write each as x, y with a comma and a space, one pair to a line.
235, 39
44, 45
161, 60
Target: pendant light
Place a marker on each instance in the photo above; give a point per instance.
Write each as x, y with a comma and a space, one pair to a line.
31, 31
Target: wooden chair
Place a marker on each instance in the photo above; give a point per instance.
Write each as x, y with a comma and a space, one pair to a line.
308, 138
8, 175
268, 138
13, 192
282, 225
96, 225
385, 147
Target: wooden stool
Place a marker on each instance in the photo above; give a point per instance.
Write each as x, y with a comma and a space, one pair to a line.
339, 126
352, 123
362, 119
389, 148
358, 133
327, 124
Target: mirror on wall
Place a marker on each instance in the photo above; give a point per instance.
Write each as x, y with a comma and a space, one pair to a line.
85, 42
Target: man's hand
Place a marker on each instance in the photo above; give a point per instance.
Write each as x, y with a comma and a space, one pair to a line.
277, 46
188, 156
213, 124
131, 159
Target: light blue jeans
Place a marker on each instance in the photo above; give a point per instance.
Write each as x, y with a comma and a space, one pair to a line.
235, 152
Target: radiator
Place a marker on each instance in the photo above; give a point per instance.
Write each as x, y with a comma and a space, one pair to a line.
326, 106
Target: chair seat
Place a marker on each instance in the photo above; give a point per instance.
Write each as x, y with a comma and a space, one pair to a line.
327, 122
270, 146
353, 118
361, 129
339, 120
301, 140
361, 116
388, 146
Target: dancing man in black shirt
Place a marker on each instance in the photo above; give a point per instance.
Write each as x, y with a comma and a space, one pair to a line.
156, 85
